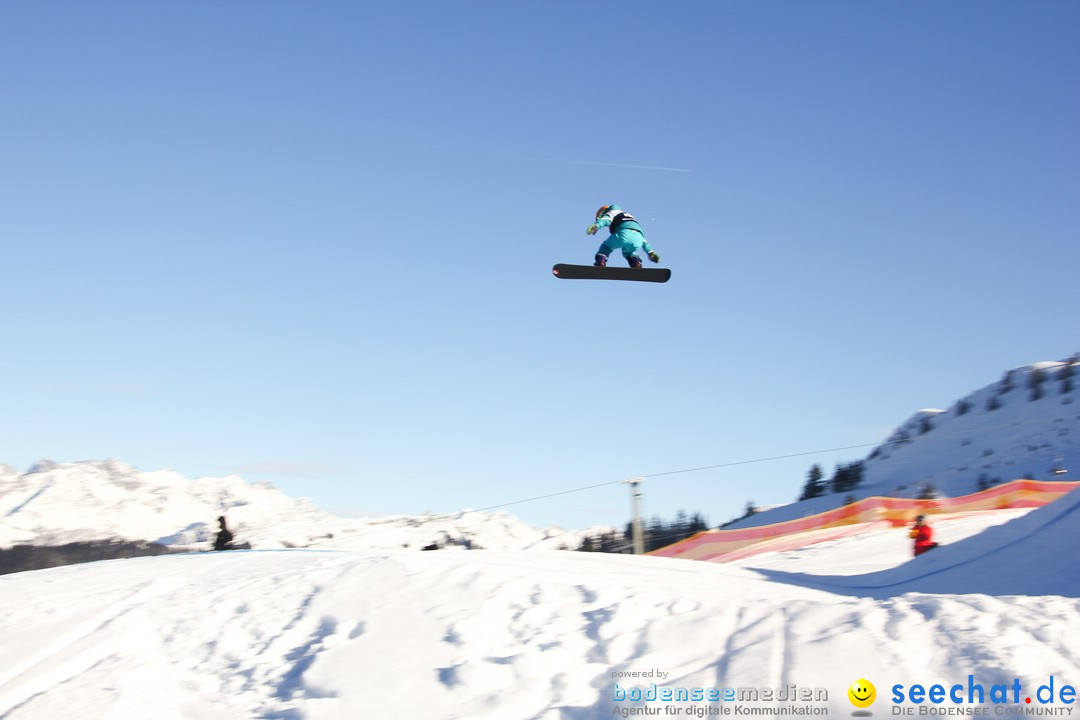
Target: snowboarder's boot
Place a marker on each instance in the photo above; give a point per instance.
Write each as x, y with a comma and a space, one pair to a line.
601, 260
634, 260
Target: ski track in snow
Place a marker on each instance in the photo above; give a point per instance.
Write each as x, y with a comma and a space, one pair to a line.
530, 635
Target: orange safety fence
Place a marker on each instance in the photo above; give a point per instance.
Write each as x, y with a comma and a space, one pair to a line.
868, 513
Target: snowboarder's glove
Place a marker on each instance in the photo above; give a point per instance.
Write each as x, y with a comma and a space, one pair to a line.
654, 257
591, 230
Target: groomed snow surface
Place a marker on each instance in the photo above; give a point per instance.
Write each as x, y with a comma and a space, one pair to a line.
546, 634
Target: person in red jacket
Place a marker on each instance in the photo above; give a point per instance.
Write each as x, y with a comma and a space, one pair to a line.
923, 536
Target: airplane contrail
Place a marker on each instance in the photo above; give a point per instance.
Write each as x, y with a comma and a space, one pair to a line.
602, 164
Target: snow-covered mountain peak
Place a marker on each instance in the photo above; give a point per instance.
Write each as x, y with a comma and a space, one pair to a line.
1019, 426
55, 503
92, 500
1024, 425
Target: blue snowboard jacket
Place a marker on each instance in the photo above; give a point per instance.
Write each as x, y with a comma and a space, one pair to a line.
627, 236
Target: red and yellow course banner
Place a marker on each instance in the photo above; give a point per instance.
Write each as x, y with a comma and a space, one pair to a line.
866, 514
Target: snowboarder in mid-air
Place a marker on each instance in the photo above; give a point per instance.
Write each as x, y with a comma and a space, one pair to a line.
626, 235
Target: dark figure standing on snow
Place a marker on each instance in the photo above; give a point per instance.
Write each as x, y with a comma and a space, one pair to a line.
923, 536
224, 538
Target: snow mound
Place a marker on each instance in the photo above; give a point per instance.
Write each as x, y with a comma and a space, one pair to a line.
1030, 555
511, 635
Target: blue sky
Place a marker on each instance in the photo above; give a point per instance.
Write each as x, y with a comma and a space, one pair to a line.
311, 242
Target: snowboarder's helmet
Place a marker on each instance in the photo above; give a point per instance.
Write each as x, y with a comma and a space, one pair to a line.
919, 519
603, 209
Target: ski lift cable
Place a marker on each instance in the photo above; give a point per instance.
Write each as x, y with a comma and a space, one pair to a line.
583, 488
891, 441
737, 463
761, 460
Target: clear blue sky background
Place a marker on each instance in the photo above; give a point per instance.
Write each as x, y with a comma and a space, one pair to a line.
311, 242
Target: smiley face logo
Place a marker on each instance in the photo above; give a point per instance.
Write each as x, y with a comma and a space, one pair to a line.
862, 693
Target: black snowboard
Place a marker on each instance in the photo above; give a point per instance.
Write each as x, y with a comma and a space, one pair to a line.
592, 272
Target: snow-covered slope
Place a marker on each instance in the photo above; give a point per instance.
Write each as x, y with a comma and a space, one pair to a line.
58, 503
360, 625
523, 635
1025, 425
1032, 554
1004, 431
461, 530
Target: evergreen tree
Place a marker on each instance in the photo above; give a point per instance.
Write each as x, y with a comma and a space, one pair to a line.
613, 542
657, 533
33, 557
1007, 382
679, 527
1066, 374
847, 477
698, 524
815, 484
1036, 378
